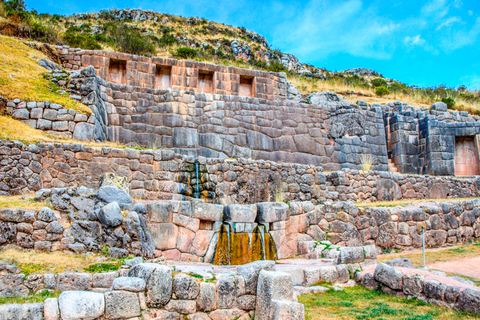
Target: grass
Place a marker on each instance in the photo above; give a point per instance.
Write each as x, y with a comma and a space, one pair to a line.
57, 262
361, 303
21, 77
434, 256
36, 298
353, 93
18, 202
405, 202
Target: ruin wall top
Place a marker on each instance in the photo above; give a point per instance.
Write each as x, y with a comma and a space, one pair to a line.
163, 73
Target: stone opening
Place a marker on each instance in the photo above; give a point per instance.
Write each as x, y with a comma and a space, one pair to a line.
117, 71
466, 156
246, 86
205, 81
163, 77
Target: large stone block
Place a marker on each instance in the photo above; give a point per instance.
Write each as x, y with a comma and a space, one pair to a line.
110, 194
81, 305
185, 287
133, 284
27, 311
469, 300
207, 211
159, 287
110, 215
164, 235
286, 310
160, 212
240, 213
268, 212
389, 276
250, 272
272, 285
350, 255
74, 281
50, 309
121, 305
207, 298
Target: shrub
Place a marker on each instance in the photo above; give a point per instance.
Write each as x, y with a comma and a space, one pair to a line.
450, 102
167, 40
42, 33
379, 82
382, 91
185, 53
276, 66
130, 40
84, 41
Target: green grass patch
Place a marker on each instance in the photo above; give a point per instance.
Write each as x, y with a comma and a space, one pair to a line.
361, 303
39, 297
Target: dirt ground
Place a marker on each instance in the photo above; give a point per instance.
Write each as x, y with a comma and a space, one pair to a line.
468, 267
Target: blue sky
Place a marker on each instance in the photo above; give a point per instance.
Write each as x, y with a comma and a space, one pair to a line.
421, 43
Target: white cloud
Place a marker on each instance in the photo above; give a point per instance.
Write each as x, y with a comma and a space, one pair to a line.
470, 12
414, 41
435, 8
461, 38
449, 22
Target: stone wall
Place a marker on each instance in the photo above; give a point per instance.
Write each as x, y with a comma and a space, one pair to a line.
422, 141
330, 132
162, 174
54, 118
152, 291
421, 284
144, 72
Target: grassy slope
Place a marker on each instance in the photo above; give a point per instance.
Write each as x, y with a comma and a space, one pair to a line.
361, 303
21, 77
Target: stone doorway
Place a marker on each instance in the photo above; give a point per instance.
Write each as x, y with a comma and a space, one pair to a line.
117, 71
466, 156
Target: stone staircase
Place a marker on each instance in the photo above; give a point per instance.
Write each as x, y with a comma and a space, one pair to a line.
391, 166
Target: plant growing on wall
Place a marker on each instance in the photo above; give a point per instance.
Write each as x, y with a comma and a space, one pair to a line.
367, 161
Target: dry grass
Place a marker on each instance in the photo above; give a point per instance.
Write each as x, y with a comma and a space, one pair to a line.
11, 129
404, 202
436, 255
21, 77
353, 93
18, 202
47, 262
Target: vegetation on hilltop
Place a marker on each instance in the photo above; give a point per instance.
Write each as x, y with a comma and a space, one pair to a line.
156, 34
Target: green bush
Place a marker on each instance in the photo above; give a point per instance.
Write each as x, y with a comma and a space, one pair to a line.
276, 66
131, 40
167, 40
84, 41
450, 102
42, 33
381, 91
379, 82
185, 53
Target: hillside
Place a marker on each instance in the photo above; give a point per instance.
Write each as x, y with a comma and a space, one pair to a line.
157, 34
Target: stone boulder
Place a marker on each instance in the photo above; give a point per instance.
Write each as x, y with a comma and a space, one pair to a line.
268, 212
250, 272
400, 262
388, 190
111, 215
240, 213
389, 276
185, 287
133, 284
27, 311
159, 282
121, 305
110, 194
111, 179
350, 255
81, 305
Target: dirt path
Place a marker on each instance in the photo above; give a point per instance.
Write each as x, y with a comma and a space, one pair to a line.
468, 267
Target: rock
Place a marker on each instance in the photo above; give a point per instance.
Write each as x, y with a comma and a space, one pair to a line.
109, 194
27, 311
181, 306
368, 281
272, 285
400, 262
21, 114
46, 215
389, 276
246, 302
350, 255
84, 131
111, 179
286, 310
139, 207
469, 301
74, 281
50, 309
413, 284
250, 272
104, 279
81, 305
198, 316
49, 65
121, 305
117, 253
240, 213
226, 292
439, 106
272, 212
159, 282
227, 314
388, 190
134, 261
185, 287
133, 284
207, 211
111, 215
207, 297
465, 281
55, 227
